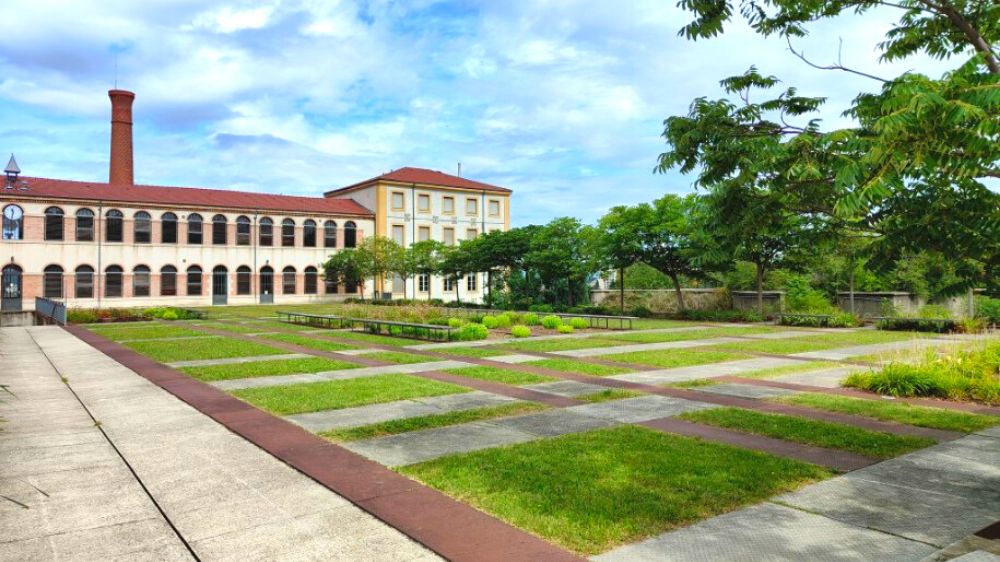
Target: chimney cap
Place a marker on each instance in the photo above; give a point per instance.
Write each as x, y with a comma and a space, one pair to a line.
12, 167
117, 92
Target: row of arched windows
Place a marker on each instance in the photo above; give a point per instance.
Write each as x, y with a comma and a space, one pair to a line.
84, 283
142, 225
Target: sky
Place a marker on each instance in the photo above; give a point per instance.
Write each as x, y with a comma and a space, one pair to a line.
561, 101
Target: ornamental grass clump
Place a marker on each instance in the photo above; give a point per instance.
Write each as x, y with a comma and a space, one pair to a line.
565, 329
470, 332
520, 331
959, 375
551, 322
579, 323
490, 322
455, 322
530, 319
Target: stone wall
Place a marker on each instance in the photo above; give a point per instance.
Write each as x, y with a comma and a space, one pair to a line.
663, 301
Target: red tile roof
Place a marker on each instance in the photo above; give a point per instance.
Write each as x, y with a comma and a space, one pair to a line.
429, 177
41, 188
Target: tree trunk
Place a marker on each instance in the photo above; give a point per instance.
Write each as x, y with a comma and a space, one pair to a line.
760, 288
489, 287
851, 286
678, 292
621, 289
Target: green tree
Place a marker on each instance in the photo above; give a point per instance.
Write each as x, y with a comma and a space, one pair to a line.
378, 257
454, 264
344, 267
558, 254
424, 258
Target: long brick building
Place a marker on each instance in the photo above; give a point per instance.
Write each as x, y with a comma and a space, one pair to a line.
95, 244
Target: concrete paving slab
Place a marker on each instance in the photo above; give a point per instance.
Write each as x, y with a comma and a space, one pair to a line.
977, 556
693, 372
639, 409
745, 391
576, 336
516, 358
842, 353
990, 431
340, 374
554, 422
236, 360
773, 533
632, 348
569, 389
419, 446
826, 378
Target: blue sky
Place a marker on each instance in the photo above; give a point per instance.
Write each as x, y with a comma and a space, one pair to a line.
562, 101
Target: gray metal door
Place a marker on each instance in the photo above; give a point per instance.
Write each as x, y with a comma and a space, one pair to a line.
266, 285
220, 285
11, 284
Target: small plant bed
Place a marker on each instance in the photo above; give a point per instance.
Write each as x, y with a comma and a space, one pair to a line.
142, 331
395, 427
834, 320
311, 343
266, 369
579, 367
233, 327
202, 348
399, 357
592, 491
900, 412
803, 367
672, 358
495, 374
933, 325
561, 345
349, 393
964, 374
609, 395
873, 444
657, 337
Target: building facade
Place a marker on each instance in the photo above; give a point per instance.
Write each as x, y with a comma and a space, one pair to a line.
117, 244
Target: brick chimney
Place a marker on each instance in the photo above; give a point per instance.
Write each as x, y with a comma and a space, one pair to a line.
120, 170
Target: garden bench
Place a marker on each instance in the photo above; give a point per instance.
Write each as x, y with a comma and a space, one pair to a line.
324, 320
601, 320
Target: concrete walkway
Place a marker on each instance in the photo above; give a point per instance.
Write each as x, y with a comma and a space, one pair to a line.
156, 479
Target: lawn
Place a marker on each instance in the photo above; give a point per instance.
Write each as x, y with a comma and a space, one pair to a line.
266, 368
671, 358
811, 432
496, 374
141, 330
473, 351
399, 357
609, 394
822, 342
592, 491
233, 327
407, 425
562, 344
803, 367
334, 395
889, 410
687, 335
579, 367
311, 343
373, 338
654, 323
203, 348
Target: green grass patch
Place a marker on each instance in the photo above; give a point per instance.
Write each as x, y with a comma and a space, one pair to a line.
311, 343
561, 344
811, 432
671, 358
474, 351
334, 395
579, 367
141, 331
204, 348
695, 383
654, 323
277, 325
688, 335
399, 357
609, 394
374, 338
820, 342
496, 374
266, 368
803, 367
233, 327
887, 410
395, 427
592, 491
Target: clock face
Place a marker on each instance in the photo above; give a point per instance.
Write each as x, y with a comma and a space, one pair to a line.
12, 212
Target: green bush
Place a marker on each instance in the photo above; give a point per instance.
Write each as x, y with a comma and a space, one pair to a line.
540, 308
82, 316
455, 322
565, 329
838, 320
801, 297
988, 309
579, 323
530, 319
934, 311
551, 322
169, 315
470, 332
520, 331
640, 312
504, 320
917, 325
490, 322
439, 321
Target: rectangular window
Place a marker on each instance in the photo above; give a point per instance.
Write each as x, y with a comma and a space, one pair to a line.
143, 230
448, 205
194, 283
424, 203
424, 283
52, 284
423, 233
288, 282
84, 285
168, 283
242, 232
85, 228
140, 284
331, 285
112, 284
168, 231
195, 232
471, 233
243, 282
472, 206
398, 201
494, 208
219, 232
471, 282
449, 284
449, 236
399, 234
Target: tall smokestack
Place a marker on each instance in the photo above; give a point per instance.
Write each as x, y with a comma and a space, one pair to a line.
120, 170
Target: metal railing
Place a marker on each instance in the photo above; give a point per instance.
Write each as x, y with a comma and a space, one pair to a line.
49, 311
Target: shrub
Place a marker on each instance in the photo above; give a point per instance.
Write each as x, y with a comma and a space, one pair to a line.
470, 332
504, 320
169, 315
531, 319
640, 312
520, 331
579, 323
900, 379
801, 297
455, 322
916, 325
540, 308
439, 321
838, 320
988, 309
551, 322
972, 325
934, 311
565, 329
82, 316
490, 322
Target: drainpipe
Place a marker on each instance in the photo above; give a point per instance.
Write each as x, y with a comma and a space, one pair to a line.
99, 233
255, 235
413, 233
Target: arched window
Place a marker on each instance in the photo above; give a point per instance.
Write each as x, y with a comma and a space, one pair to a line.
311, 281
266, 227
142, 228
330, 285
195, 225
114, 226
52, 282
140, 281
219, 230
330, 234
243, 280
242, 231
85, 225
168, 228
13, 223
194, 281
288, 232
53, 223
350, 234
288, 281
309, 234
266, 280
168, 281
113, 281
84, 285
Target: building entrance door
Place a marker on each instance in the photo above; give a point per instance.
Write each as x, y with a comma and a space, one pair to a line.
10, 282
220, 285
266, 285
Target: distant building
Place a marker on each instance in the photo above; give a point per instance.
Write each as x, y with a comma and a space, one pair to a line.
111, 244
